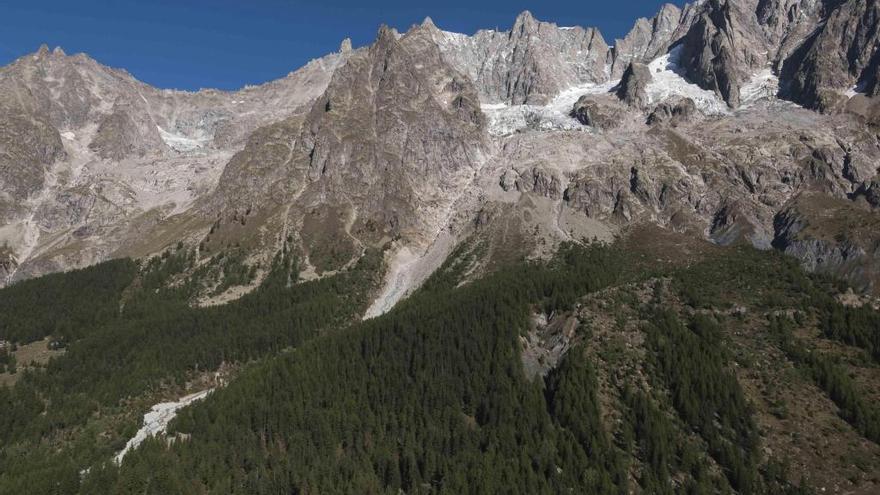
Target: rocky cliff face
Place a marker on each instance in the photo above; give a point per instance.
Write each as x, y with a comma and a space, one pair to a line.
648, 39
633, 87
713, 51
396, 131
91, 157
831, 236
839, 57
531, 63
516, 139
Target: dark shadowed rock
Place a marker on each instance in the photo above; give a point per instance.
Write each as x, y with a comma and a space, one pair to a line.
596, 111
841, 54
632, 88
870, 191
673, 112
831, 236
708, 55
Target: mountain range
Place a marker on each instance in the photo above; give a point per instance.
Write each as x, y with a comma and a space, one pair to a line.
520, 261
737, 121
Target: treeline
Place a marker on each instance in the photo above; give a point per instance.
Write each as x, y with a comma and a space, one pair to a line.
66, 306
833, 378
853, 326
158, 340
760, 279
430, 398
693, 362
772, 280
665, 451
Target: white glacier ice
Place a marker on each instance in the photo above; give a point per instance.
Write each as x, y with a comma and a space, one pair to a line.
182, 143
555, 116
762, 85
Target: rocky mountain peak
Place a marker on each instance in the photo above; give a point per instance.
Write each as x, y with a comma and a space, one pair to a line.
531, 63
648, 39
525, 23
385, 36
711, 52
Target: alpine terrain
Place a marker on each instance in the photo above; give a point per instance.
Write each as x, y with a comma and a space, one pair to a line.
521, 261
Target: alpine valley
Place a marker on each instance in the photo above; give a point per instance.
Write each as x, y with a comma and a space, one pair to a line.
522, 261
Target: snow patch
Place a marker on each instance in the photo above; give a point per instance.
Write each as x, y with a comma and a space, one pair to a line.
182, 143
667, 81
68, 135
156, 421
856, 90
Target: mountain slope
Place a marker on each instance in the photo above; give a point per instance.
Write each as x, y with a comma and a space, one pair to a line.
520, 261
115, 156
118, 168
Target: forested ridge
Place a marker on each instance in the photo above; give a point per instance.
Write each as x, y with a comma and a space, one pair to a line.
140, 344
433, 397
66, 306
430, 397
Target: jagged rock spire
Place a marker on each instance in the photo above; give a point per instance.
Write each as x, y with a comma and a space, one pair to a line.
632, 87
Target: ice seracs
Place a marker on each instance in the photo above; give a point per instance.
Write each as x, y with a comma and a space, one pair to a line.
761, 86
555, 116
182, 143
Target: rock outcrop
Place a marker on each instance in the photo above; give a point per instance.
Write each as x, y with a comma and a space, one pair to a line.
633, 85
119, 135
29, 145
647, 40
839, 56
820, 239
714, 52
596, 111
673, 112
397, 133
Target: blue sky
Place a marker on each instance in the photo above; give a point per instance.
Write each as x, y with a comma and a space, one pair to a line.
191, 44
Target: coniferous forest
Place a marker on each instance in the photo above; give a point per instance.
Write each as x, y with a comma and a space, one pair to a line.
434, 397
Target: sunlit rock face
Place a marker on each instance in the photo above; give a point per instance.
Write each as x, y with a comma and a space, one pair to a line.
699, 120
